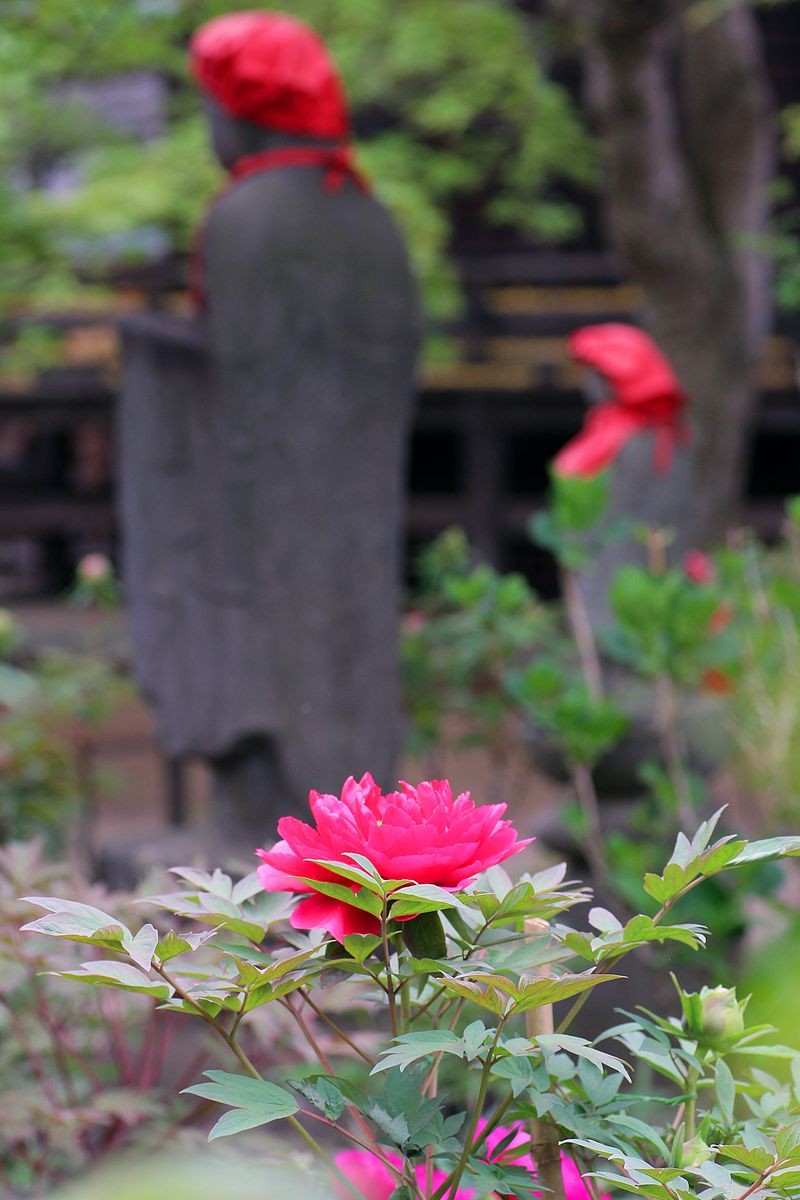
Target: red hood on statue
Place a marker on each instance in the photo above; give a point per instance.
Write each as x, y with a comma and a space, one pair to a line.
645, 394
272, 70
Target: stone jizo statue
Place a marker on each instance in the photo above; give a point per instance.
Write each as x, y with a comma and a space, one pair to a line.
635, 426
263, 447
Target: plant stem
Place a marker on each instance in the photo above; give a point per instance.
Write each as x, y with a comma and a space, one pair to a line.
544, 1134
387, 958
324, 1157
671, 742
690, 1122
581, 628
454, 1179
336, 1029
227, 1037
593, 842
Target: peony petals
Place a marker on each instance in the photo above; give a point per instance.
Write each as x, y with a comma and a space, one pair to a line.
335, 917
419, 833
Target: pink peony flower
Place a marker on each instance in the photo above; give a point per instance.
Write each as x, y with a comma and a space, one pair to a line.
419, 833
376, 1182
698, 567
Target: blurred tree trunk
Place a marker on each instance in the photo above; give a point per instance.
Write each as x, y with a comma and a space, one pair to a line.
684, 116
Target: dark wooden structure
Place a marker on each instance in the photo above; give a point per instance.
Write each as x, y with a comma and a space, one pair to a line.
486, 426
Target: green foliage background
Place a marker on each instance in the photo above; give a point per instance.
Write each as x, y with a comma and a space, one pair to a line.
452, 97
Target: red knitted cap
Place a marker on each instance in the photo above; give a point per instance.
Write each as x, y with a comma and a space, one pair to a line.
273, 70
631, 362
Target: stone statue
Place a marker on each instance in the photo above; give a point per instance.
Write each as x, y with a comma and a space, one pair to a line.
263, 448
636, 428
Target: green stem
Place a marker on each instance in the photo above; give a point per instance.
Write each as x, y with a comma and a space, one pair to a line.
593, 842
454, 1178
336, 1029
324, 1157
493, 1121
387, 958
671, 741
582, 632
690, 1114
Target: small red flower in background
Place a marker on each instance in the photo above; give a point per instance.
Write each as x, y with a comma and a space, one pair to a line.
721, 619
716, 681
419, 833
698, 567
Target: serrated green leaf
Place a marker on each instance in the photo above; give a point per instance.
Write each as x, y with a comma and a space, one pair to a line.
257, 1101
353, 873
553, 1042
118, 975
410, 1047
364, 899
756, 1158
76, 922
173, 944
421, 898
726, 1090
550, 991
142, 947
323, 1094
767, 848
361, 945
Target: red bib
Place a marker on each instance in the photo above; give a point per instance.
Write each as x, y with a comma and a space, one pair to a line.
338, 165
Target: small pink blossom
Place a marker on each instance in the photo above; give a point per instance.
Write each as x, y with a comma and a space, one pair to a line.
698, 567
414, 621
418, 833
94, 568
376, 1182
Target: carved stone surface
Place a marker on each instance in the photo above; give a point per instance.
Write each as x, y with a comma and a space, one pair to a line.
263, 457
643, 495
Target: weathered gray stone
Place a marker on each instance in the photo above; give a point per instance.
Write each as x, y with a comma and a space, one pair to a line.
263, 453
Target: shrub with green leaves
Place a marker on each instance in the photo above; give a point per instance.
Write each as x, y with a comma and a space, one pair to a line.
491, 976
43, 694
468, 625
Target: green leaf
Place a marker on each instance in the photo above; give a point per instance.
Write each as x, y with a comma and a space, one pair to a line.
550, 991
762, 851
118, 975
421, 898
364, 899
642, 929
76, 922
218, 883
360, 945
726, 1090
323, 1094
395, 1126
551, 1043
173, 944
756, 1158
142, 947
257, 1101
787, 1141
355, 874
424, 936
468, 989
410, 1047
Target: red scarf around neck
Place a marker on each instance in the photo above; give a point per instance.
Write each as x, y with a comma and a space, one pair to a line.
338, 165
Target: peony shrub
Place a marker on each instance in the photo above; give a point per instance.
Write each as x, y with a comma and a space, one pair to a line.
410, 951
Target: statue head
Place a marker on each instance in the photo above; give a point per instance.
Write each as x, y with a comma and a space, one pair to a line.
268, 80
